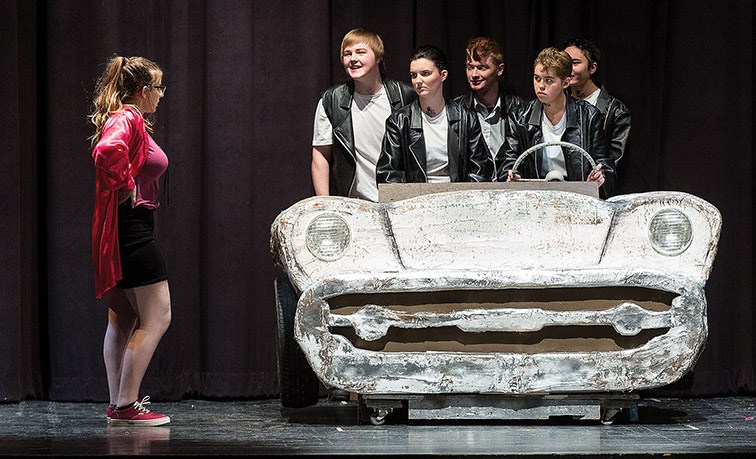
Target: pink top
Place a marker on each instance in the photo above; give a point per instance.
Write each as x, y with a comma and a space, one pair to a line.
147, 180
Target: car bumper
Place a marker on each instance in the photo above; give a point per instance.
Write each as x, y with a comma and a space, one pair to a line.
502, 332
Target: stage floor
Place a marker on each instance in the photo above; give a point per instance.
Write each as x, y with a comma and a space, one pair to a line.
703, 428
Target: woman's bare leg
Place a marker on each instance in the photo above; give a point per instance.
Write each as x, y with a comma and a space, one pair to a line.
152, 305
121, 322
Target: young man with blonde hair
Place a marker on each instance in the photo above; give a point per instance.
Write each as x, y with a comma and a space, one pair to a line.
350, 120
555, 116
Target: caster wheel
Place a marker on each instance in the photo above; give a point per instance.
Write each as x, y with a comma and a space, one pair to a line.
378, 418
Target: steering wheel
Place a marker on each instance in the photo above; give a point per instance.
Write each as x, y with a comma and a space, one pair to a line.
552, 175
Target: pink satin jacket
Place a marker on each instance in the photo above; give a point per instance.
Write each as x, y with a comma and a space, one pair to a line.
118, 157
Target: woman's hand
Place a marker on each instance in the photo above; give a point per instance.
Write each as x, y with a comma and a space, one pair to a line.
596, 176
125, 195
512, 177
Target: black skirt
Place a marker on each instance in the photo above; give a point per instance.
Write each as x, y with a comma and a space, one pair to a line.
141, 261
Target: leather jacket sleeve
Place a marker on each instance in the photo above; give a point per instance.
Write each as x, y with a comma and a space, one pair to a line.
597, 149
511, 148
390, 166
619, 131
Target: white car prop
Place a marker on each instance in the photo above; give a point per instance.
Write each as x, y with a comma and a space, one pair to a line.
478, 302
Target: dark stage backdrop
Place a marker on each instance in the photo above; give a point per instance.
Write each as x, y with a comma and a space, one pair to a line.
243, 79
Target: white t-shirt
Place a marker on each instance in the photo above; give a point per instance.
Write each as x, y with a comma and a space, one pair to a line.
593, 98
369, 113
553, 157
435, 133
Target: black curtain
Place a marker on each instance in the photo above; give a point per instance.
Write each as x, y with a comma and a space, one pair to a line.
236, 122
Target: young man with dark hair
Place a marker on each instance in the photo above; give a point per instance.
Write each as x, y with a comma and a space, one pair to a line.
585, 65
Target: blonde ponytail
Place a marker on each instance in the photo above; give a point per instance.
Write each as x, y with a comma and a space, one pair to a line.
122, 78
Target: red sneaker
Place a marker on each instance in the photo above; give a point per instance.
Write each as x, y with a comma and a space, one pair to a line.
138, 415
109, 412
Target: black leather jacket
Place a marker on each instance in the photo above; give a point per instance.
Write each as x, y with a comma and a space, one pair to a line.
584, 128
403, 159
337, 101
508, 103
616, 124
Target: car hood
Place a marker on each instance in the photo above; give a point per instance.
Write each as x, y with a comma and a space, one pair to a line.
496, 230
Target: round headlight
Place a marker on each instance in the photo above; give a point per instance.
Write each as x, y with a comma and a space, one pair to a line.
670, 232
328, 236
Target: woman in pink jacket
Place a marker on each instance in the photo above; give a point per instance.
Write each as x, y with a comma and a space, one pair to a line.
129, 269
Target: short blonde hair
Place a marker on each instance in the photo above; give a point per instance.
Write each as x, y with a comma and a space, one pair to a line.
558, 61
363, 36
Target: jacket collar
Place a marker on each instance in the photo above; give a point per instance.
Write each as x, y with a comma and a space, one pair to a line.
345, 99
603, 99
571, 111
536, 116
469, 100
389, 85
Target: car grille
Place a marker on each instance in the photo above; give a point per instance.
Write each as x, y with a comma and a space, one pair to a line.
522, 321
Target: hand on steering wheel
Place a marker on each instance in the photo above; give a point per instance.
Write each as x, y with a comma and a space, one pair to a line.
596, 175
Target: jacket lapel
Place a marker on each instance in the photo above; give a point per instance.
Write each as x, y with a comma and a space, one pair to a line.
453, 141
417, 144
535, 125
342, 121
572, 131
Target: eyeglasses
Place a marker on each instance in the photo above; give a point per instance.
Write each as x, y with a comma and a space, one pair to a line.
160, 88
